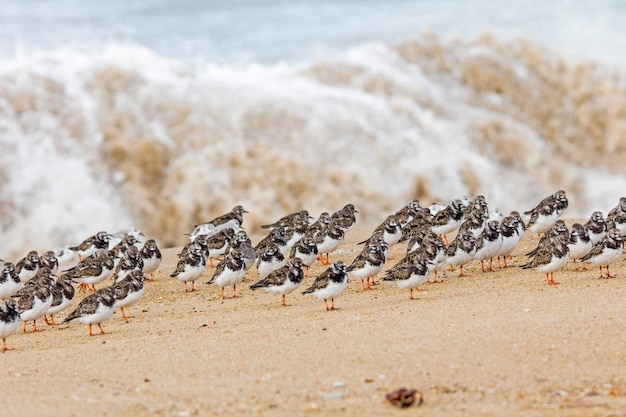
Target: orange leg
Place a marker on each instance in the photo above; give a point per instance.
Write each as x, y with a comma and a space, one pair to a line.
185, 282
93, 288
24, 327
193, 285
445, 239
235, 291
482, 265
461, 271
211, 263
90, 332
601, 274
326, 304
363, 285
332, 304
101, 329
82, 287
608, 273
124, 316
491, 265
411, 296
223, 294
45, 318
35, 326
285, 302
4, 345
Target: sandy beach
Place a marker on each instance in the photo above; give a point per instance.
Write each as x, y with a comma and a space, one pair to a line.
502, 343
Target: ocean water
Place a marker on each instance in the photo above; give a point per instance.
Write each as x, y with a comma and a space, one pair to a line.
163, 114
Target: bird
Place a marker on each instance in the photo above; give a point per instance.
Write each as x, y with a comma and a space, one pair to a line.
488, 244
200, 240
190, 267
410, 275
315, 228
129, 290
345, 217
559, 229
122, 246
432, 249
282, 281
545, 214
9, 320
368, 263
62, 296
289, 219
306, 250
617, 216
329, 284
474, 222
151, 257
243, 244
448, 220
210, 230
10, 282
93, 269
218, 244
28, 266
34, 302
579, 243
408, 212
510, 238
131, 260
294, 233
328, 240
606, 251
88, 246
94, 309
389, 229
230, 271
232, 219
49, 260
269, 260
461, 250
550, 258
596, 226
277, 237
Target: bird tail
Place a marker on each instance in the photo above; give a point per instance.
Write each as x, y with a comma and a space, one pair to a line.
256, 285
527, 265
388, 277
73, 316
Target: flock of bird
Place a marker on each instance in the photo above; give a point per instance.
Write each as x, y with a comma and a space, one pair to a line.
31, 288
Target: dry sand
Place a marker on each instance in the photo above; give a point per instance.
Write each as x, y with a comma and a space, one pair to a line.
502, 343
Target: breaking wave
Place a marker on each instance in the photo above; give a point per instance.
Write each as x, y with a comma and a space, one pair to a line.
124, 137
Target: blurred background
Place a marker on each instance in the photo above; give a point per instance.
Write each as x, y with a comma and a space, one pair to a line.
164, 114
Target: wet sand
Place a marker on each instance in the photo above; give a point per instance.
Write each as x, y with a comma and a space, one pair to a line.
489, 344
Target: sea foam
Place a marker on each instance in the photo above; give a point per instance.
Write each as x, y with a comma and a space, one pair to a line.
124, 137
